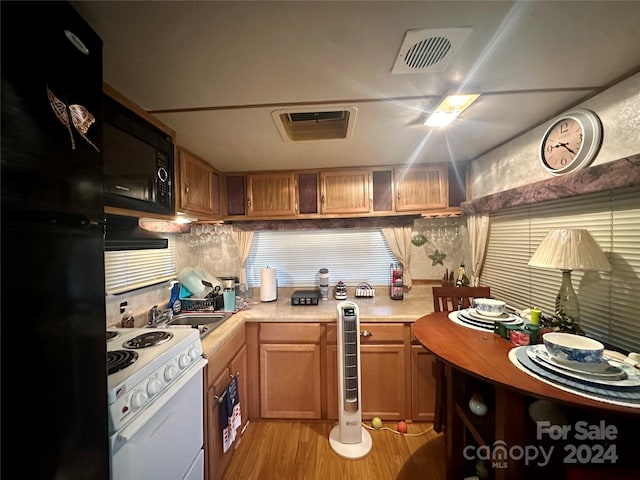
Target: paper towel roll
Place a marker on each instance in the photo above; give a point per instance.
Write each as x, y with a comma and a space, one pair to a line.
268, 285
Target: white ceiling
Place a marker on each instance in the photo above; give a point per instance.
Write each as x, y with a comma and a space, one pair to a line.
214, 71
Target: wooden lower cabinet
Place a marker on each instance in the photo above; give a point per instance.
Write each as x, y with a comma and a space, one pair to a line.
383, 371
423, 384
230, 360
290, 370
296, 370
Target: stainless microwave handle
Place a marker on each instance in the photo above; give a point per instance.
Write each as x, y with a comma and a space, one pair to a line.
122, 187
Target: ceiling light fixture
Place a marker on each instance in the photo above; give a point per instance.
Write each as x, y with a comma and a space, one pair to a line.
450, 108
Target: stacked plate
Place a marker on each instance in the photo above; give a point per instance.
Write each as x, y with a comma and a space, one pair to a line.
469, 317
607, 372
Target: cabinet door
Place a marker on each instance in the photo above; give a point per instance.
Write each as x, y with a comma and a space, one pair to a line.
217, 461
199, 191
271, 194
345, 191
382, 372
423, 384
383, 381
382, 191
307, 193
421, 188
239, 368
290, 381
235, 195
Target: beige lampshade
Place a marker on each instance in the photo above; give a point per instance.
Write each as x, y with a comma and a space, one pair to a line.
570, 249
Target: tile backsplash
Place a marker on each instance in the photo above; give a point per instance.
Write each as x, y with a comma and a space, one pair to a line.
139, 302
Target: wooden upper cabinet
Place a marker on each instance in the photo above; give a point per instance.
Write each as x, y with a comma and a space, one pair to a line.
345, 191
271, 194
421, 188
307, 193
382, 181
199, 190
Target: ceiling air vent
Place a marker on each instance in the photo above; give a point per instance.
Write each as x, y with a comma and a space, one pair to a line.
314, 123
429, 50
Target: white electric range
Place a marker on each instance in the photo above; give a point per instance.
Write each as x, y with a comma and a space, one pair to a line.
155, 394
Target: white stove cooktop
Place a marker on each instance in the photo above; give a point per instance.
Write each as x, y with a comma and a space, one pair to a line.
136, 386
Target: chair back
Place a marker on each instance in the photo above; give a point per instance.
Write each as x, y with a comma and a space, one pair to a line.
446, 299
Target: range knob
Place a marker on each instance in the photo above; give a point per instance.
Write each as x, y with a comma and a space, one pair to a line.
193, 353
184, 361
170, 372
138, 399
154, 386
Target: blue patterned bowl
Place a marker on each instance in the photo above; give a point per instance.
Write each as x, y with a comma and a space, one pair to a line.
489, 306
573, 348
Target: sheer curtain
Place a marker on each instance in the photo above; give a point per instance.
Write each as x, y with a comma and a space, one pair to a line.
399, 241
243, 240
478, 226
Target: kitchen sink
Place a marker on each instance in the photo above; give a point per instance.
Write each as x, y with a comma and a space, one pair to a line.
206, 322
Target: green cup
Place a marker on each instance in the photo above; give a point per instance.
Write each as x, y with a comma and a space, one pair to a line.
535, 316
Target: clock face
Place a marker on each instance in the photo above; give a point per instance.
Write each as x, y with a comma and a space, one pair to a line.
562, 144
571, 142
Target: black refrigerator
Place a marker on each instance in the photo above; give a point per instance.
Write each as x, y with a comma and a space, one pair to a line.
53, 326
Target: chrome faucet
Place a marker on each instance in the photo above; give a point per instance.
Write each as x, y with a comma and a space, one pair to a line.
159, 316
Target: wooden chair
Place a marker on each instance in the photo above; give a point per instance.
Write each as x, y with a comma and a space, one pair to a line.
448, 299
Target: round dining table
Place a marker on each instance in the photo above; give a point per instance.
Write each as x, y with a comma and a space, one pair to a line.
473, 368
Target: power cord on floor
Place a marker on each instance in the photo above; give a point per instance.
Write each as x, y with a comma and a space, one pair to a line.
369, 427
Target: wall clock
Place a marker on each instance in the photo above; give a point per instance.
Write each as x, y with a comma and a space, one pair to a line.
571, 142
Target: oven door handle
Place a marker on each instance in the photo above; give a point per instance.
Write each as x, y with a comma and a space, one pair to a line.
134, 427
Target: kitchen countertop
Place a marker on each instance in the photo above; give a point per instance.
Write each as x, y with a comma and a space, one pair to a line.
380, 308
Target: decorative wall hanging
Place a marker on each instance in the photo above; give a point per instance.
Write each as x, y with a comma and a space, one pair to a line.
75, 114
437, 258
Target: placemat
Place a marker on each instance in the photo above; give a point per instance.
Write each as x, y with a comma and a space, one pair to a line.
453, 316
622, 396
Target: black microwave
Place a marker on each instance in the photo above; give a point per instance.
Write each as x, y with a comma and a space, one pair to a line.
138, 162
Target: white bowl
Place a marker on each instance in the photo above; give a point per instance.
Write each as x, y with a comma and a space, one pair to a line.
573, 348
489, 306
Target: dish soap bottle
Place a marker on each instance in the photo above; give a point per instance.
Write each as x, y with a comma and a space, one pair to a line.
174, 297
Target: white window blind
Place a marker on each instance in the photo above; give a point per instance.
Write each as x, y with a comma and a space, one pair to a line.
609, 301
127, 270
351, 255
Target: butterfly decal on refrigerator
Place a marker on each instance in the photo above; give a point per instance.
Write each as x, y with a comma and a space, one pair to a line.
74, 114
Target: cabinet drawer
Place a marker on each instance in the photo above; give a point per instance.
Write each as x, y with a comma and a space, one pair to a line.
380, 332
290, 332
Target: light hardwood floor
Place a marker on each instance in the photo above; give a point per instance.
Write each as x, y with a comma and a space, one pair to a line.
284, 450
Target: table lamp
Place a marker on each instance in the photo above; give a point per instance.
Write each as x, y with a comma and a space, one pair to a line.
568, 249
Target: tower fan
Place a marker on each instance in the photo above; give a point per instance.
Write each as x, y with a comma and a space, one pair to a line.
349, 438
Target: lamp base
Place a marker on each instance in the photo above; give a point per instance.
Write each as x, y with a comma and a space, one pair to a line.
567, 315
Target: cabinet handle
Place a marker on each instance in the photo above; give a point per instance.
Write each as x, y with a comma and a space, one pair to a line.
322, 198
186, 188
248, 201
365, 333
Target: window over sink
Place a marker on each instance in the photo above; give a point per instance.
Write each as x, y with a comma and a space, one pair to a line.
352, 255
